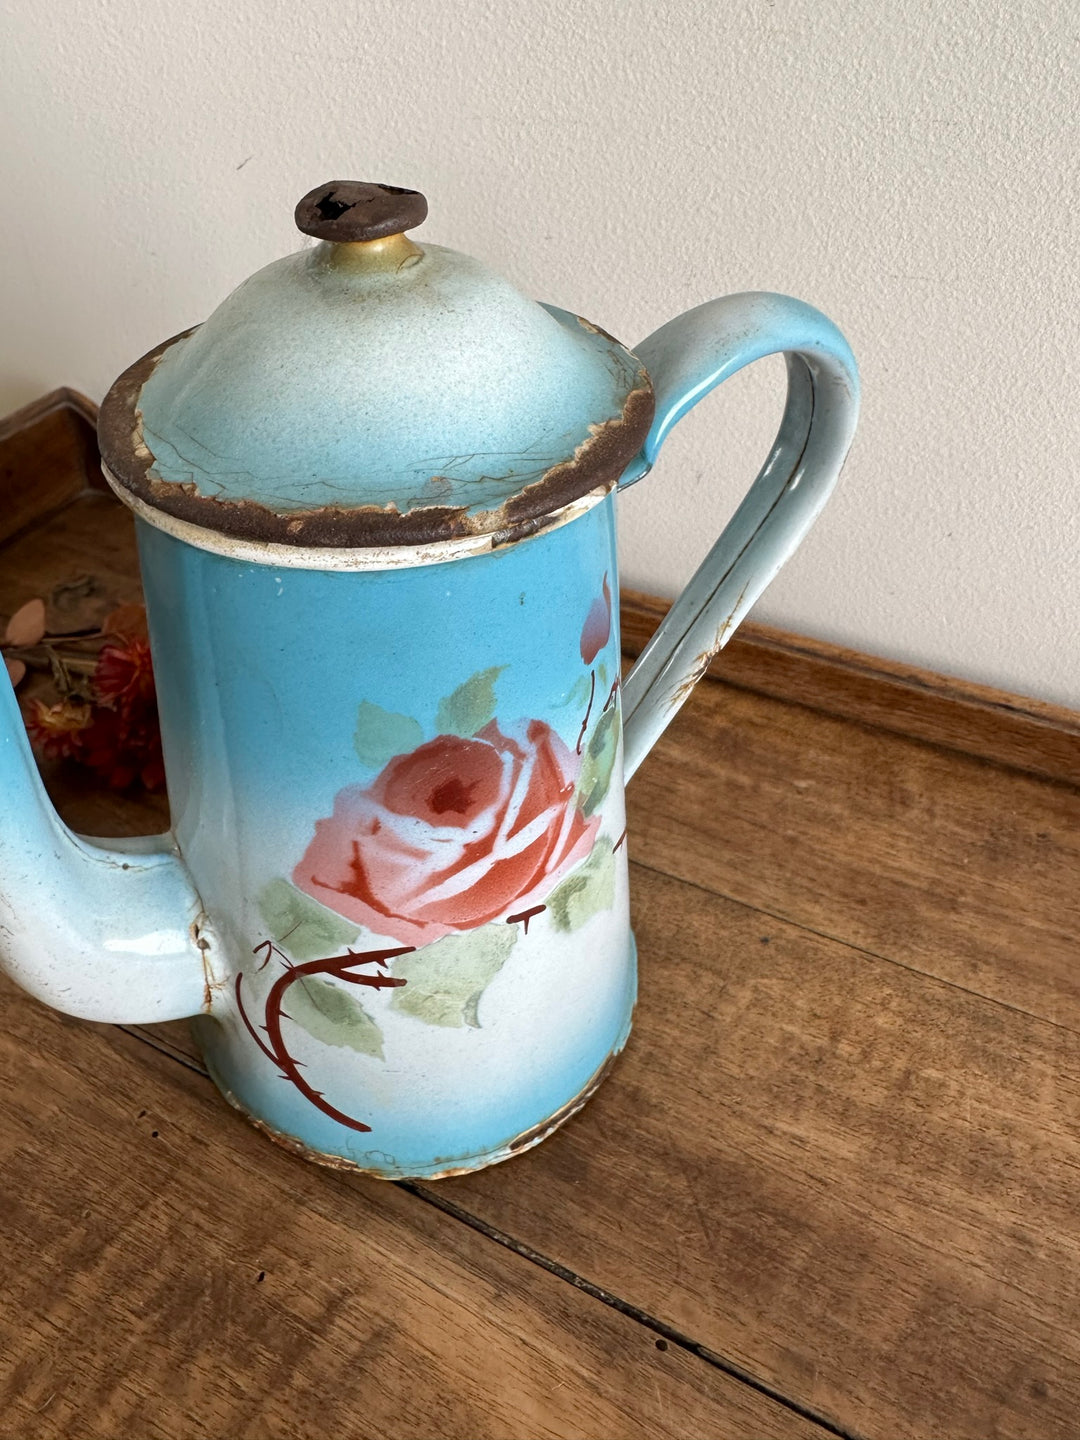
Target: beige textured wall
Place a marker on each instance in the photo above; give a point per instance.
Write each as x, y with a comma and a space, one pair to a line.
909, 167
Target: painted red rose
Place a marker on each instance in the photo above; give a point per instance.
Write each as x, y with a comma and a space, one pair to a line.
452, 835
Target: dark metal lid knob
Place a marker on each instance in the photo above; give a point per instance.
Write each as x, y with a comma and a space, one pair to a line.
345, 210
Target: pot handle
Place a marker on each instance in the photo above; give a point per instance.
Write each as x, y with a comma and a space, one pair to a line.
686, 358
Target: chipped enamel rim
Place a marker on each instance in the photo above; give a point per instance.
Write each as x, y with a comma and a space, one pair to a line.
599, 461
524, 1142
367, 557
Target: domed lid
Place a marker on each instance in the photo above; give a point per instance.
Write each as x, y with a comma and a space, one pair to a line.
372, 392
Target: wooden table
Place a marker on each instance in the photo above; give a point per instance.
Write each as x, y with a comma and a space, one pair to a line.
830, 1188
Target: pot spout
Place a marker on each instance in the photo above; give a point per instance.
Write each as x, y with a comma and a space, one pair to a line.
111, 931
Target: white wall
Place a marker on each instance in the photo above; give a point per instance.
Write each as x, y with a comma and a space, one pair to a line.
909, 167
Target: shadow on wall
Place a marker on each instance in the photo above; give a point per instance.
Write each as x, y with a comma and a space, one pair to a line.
17, 388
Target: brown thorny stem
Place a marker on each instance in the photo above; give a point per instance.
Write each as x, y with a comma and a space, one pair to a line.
341, 967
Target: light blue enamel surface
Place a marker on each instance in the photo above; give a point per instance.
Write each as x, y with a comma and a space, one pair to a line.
686, 359
260, 674
455, 1126
260, 671
438, 384
101, 931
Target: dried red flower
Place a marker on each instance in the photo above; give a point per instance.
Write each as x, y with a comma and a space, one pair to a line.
124, 677
126, 620
113, 731
123, 748
56, 731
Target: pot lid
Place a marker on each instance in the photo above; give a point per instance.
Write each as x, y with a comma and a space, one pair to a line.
371, 391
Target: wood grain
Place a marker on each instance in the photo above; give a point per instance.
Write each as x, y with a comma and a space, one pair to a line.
901, 699
840, 1154
857, 1183
169, 1273
853, 1182
961, 869
48, 454
92, 534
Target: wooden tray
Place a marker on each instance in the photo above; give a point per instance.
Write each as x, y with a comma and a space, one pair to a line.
830, 1189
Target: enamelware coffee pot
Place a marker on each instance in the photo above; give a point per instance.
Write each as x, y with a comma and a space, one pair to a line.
375, 500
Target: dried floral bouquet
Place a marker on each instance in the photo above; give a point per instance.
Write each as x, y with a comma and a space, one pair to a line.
98, 706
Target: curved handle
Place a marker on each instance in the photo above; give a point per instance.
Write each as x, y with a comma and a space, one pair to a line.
686, 358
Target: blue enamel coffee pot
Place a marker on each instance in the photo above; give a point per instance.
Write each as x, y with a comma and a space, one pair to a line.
375, 501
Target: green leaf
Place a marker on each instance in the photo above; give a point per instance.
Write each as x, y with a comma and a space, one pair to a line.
598, 763
578, 694
330, 1014
601, 675
300, 925
447, 978
585, 891
469, 708
382, 734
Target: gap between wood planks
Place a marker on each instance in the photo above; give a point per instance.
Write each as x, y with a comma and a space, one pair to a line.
848, 945
667, 1334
